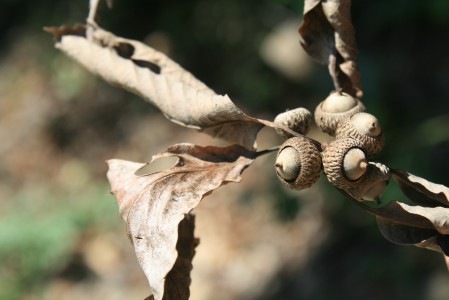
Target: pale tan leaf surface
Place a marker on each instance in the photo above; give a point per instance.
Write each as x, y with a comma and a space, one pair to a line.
177, 282
420, 190
439, 216
328, 36
140, 69
152, 206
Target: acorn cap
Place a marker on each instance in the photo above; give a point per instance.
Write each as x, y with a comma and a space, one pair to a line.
298, 163
344, 162
365, 128
298, 120
373, 183
335, 108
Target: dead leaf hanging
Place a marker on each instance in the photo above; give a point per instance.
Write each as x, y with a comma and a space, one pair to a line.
150, 74
438, 216
400, 223
328, 36
408, 235
152, 206
420, 190
177, 281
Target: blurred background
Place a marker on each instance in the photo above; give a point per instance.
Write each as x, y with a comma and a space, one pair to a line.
61, 236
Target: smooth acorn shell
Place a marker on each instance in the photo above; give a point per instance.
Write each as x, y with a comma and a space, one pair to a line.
329, 113
307, 155
333, 156
298, 120
372, 184
372, 145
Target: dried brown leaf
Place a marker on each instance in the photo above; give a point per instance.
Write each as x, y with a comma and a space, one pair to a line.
177, 282
439, 216
394, 212
403, 234
426, 227
408, 235
420, 190
328, 36
153, 76
152, 206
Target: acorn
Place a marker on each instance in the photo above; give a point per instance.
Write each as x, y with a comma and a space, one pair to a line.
298, 120
344, 162
373, 183
334, 108
365, 128
298, 163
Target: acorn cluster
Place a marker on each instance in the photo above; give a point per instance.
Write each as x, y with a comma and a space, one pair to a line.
344, 161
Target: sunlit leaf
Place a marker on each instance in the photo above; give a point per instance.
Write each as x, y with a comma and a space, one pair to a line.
152, 206
439, 216
150, 74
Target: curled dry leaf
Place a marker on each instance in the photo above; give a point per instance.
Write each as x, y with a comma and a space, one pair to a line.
408, 235
394, 212
177, 282
420, 190
426, 227
153, 76
153, 206
439, 216
328, 36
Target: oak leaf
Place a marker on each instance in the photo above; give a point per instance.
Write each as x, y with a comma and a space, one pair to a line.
425, 225
153, 76
177, 282
409, 235
154, 205
420, 190
328, 36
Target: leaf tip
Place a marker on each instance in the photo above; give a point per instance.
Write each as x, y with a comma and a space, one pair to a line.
58, 32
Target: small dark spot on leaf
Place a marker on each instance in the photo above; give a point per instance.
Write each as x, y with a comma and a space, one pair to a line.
148, 64
138, 237
124, 50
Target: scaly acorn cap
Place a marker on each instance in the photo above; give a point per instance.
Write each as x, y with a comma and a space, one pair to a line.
334, 108
373, 183
365, 128
298, 163
344, 162
298, 120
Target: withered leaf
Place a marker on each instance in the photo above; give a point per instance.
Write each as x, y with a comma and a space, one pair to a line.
439, 216
177, 282
328, 36
426, 227
420, 190
394, 212
408, 235
403, 234
152, 206
153, 76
